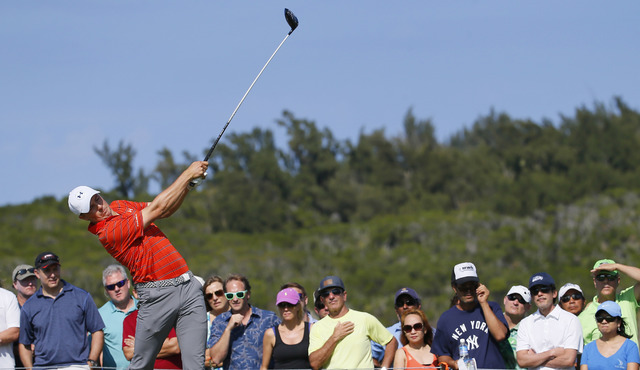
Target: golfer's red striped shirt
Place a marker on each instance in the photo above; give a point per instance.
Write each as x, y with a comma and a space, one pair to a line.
148, 254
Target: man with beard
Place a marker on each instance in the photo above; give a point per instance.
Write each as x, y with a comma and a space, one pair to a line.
120, 304
56, 319
473, 318
341, 340
551, 337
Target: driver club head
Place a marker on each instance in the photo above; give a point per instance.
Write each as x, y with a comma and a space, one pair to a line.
292, 20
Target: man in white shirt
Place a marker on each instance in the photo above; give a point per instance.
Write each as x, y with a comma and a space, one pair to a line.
551, 337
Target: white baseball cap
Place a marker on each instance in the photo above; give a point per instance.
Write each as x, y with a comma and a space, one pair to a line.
523, 291
464, 272
80, 199
567, 287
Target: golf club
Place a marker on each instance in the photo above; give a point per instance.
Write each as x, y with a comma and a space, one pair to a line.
292, 20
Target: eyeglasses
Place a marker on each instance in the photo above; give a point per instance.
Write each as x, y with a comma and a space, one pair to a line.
514, 297
218, 293
540, 288
334, 291
119, 284
606, 318
567, 297
607, 277
408, 301
23, 271
416, 327
239, 295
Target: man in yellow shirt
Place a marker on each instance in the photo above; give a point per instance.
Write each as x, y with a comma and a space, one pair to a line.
342, 340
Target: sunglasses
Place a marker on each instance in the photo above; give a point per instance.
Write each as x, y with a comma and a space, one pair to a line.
119, 284
471, 287
416, 327
402, 302
576, 297
536, 289
334, 291
24, 271
240, 295
284, 305
218, 293
607, 277
516, 297
606, 318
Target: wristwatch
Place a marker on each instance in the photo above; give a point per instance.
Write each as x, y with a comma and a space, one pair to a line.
93, 363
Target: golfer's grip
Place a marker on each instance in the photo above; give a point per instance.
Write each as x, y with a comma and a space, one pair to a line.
194, 183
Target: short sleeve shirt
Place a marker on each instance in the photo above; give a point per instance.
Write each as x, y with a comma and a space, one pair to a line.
245, 350
627, 353
147, 253
112, 355
456, 324
9, 318
354, 350
629, 305
43, 320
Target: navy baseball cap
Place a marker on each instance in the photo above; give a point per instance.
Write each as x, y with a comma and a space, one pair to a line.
541, 278
331, 282
408, 291
45, 259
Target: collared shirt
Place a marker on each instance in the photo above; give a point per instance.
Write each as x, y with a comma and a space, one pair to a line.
58, 326
245, 350
112, 355
629, 306
542, 333
9, 318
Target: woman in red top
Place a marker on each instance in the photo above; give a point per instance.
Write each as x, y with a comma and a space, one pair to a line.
416, 339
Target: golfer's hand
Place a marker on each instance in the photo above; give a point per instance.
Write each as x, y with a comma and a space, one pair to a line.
482, 293
198, 170
343, 329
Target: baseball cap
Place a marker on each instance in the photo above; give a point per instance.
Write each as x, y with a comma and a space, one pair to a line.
45, 259
541, 278
80, 199
331, 282
408, 291
288, 295
567, 287
464, 272
602, 262
27, 270
524, 292
611, 307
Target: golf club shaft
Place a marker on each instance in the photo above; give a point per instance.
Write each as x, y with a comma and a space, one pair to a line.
206, 158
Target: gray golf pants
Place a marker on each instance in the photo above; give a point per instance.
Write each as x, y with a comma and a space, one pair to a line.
160, 309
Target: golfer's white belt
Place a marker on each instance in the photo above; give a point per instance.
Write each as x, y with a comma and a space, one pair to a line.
165, 283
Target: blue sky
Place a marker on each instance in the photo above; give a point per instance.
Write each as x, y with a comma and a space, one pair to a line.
169, 73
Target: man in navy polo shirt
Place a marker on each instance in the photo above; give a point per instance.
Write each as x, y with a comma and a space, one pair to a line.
57, 319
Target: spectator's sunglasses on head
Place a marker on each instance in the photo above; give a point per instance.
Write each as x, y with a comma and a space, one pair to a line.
607, 318
240, 295
567, 297
540, 288
119, 284
218, 293
417, 327
334, 291
409, 301
24, 271
515, 296
607, 277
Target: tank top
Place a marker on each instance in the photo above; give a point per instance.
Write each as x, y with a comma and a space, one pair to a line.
413, 363
291, 356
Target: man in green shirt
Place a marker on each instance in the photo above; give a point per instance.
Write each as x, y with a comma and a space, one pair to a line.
606, 278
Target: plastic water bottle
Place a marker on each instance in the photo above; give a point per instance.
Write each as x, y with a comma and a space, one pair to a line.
464, 356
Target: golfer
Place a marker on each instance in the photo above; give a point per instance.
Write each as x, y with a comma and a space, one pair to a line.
169, 295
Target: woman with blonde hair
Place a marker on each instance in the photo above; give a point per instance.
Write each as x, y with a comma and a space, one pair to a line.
286, 345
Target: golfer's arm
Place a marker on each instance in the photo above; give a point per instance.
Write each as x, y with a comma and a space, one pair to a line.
318, 357
170, 347
171, 198
389, 352
97, 341
26, 355
497, 329
220, 350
